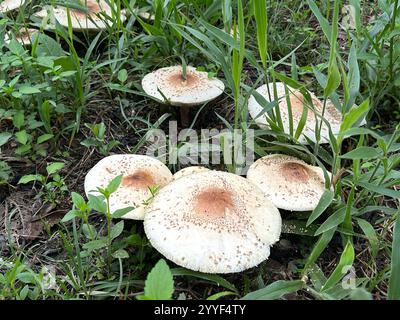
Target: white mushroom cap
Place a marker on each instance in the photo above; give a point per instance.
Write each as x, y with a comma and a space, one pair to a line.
298, 102
214, 222
197, 89
290, 183
189, 170
24, 36
95, 19
9, 5
139, 173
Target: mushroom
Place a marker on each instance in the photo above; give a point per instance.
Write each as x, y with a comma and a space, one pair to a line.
297, 102
139, 173
290, 183
189, 170
23, 36
213, 222
93, 19
196, 88
10, 5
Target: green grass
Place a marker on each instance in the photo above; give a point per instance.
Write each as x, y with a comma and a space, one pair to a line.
72, 98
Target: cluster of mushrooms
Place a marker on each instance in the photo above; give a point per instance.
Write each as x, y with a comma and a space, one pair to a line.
204, 220
97, 16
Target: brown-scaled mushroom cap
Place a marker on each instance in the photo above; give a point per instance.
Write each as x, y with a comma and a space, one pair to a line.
99, 15
197, 89
214, 222
289, 182
139, 174
10, 5
297, 102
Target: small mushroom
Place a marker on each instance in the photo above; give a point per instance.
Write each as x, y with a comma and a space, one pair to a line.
298, 103
94, 19
194, 88
290, 183
213, 222
23, 36
189, 170
139, 173
10, 5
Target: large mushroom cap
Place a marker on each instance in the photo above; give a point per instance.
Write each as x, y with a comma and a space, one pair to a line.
290, 183
197, 89
298, 103
139, 174
24, 36
189, 170
97, 16
214, 222
10, 5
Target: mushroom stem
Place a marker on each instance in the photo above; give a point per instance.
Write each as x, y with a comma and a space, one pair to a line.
185, 113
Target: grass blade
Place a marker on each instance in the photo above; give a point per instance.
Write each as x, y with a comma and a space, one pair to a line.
394, 282
275, 290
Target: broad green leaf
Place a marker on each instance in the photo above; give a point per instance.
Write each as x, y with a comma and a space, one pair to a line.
275, 290
114, 184
22, 137
44, 137
29, 178
24, 292
346, 260
70, 215
18, 119
122, 75
355, 114
370, 233
44, 112
78, 200
89, 231
323, 204
48, 46
95, 244
365, 153
333, 221
360, 294
54, 167
28, 90
121, 212
159, 284
380, 190
117, 229
394, 282
120, 254
97, 203
4, 137
26, 277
